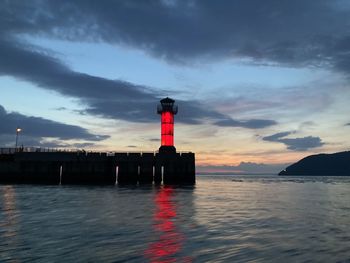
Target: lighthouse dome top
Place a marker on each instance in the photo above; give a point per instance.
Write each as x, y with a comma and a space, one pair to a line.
167, 100
167, 105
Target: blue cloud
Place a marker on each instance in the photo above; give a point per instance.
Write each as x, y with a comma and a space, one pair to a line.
36, 128
251, 124
295, 144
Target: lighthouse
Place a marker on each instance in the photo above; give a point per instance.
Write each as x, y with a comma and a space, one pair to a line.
167, 109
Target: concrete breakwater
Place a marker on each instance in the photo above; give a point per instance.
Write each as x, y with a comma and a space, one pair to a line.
97, 168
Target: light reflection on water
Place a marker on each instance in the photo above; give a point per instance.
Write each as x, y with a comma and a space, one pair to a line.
8, 220
222, 219
170, 241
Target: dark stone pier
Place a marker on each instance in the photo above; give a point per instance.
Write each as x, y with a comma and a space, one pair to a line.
97, 168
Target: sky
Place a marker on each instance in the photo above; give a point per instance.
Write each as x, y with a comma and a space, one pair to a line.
259, 84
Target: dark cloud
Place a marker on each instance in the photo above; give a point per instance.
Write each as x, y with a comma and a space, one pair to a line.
61, 109
299, 32
295, 144
102, 97
251, 124
348, 124
9, 140
302, 144
275, 137
35, 129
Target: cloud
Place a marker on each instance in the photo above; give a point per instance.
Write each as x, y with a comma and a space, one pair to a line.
102, 96
293, 33
297, 33
61, 109
302, 144
251, 124
275, 137
36, 129
295, 144
107, 98
242, 168
348, 124
27, 141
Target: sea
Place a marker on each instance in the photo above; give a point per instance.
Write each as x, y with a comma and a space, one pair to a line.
220, 219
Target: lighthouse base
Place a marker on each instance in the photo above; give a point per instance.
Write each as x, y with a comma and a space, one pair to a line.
167, 149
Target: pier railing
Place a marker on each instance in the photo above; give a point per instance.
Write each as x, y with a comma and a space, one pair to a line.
34, 149
63, 150
66, 150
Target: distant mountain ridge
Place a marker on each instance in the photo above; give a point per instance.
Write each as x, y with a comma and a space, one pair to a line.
336, 164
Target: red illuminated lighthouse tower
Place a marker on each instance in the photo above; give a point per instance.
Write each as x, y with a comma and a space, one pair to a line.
167, 109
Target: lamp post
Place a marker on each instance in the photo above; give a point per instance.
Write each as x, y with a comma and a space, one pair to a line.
18, 130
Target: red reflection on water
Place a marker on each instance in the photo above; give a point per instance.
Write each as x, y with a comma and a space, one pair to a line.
170, 242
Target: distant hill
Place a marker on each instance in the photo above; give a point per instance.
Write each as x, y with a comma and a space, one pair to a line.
336, 164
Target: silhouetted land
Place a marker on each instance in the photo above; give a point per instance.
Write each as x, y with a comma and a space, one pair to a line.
336, 164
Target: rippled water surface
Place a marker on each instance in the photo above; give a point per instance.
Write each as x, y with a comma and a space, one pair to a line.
221, 219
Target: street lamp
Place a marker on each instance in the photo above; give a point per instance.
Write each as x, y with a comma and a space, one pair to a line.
18, 130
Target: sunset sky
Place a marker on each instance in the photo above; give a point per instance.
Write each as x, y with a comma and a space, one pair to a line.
259, 84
